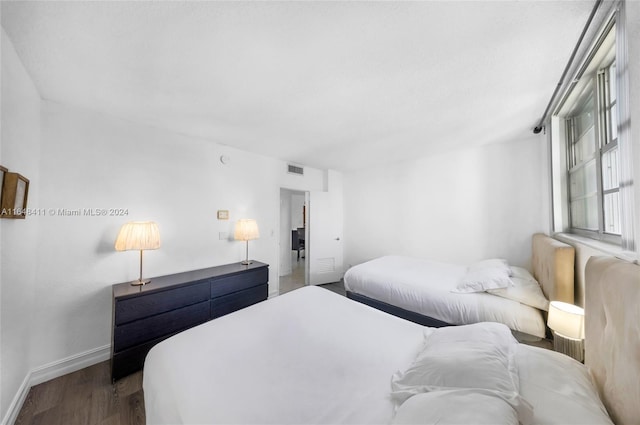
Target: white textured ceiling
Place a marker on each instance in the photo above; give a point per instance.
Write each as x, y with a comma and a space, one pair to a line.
339, 85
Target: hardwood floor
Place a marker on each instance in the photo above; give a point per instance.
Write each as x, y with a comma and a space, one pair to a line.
337, 287
87, 397
295, 279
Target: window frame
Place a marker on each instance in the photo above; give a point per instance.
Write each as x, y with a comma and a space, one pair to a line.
595, 83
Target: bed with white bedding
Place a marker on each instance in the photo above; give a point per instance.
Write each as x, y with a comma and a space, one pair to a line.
308, 356
312, 356
424, 291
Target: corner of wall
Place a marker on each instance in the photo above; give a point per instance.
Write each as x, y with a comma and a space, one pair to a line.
20, 151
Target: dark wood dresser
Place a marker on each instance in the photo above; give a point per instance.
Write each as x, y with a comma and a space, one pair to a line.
145, 315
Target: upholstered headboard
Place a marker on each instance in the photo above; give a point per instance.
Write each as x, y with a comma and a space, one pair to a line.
553, 267
612, 335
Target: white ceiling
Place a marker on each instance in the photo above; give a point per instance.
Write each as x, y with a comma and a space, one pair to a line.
339, 85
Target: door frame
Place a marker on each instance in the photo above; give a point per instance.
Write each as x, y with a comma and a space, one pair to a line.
290, 192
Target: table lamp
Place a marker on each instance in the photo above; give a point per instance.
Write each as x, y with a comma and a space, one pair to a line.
246, 230
567, 323
138, 235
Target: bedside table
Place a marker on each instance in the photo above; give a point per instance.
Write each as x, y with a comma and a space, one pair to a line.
536, 341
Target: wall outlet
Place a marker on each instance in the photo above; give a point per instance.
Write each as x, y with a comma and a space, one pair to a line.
223, 236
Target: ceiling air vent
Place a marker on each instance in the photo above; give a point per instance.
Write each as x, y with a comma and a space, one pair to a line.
294, 169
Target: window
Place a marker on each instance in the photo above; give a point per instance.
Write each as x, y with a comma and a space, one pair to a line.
609, 151
588, 119
591, 161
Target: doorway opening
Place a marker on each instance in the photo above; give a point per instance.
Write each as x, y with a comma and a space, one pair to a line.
293, 243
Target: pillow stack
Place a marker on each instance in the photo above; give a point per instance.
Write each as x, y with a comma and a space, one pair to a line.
484, 275
496, 277
525, 290
474, 364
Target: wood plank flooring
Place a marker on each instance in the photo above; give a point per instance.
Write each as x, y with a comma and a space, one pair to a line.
88, 397
85, 397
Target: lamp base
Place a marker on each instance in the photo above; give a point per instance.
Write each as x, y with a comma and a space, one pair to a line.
246, 262
140, 282
569, 346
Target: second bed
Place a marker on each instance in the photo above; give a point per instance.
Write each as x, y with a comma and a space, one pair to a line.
423, 291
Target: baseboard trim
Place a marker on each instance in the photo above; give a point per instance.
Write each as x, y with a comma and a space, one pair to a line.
70, 364
54, 370
17, 402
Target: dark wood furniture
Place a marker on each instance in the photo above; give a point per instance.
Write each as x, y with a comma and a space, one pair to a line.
412, 316
298, 240
145, 315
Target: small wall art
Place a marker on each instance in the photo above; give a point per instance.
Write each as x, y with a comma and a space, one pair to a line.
15, 191
2, 173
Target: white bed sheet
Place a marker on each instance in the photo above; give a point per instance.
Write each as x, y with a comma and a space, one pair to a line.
425, 286
309, 356
314, 357
560, 389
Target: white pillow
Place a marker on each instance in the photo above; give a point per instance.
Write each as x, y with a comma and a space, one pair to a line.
559, 388
492, 263
524, 291
483, 279
480, 356
454, 407
523, 273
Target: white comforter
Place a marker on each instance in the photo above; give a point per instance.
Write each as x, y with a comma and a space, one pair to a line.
304, 357
314, 357
424, 287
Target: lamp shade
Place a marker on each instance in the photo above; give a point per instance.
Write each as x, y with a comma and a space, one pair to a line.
566, 319
138, 235
246, 230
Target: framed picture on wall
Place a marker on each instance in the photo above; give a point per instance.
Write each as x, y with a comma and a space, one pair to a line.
2, 173
15, 191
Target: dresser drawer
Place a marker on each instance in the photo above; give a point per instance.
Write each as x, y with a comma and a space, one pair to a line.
130, 309
241, 299
144, 330
228, 285
132, 359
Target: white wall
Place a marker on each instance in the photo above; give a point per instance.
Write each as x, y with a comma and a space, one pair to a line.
94, 161
297, 207
457, 207
57, 270
285, 232
19, 152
